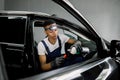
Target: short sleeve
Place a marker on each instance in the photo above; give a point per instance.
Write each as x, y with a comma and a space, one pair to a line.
41, 49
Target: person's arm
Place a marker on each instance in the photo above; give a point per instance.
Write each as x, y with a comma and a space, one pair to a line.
44, 66
51, 65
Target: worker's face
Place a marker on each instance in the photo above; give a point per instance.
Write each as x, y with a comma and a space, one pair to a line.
51, 31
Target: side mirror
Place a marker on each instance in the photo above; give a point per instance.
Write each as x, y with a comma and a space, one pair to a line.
115, 48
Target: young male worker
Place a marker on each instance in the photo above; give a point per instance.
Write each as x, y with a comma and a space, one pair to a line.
49, 49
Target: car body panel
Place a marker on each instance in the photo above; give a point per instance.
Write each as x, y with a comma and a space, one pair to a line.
104, 67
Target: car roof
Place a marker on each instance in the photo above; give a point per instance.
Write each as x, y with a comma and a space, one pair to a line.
23, 13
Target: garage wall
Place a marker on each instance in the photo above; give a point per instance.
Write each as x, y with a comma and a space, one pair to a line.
1, 4
104, 15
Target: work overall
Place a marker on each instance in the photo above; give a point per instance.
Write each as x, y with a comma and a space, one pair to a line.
52, 55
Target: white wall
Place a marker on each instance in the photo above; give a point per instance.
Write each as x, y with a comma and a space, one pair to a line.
1, 4
104, 15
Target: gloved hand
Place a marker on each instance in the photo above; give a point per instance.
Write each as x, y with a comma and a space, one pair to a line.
58, 62
75, 48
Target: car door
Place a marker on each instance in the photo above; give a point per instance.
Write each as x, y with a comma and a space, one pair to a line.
12, 33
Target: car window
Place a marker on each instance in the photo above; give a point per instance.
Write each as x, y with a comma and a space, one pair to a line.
14, 27
38, 31
87, 43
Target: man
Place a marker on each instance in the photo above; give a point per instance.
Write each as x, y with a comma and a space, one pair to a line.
49, 49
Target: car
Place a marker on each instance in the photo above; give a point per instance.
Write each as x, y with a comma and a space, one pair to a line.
21, 31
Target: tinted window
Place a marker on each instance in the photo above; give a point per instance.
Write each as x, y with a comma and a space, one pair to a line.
12, 29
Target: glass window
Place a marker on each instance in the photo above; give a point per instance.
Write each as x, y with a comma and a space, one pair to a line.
12, 29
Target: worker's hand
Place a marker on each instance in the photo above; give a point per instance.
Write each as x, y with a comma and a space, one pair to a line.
58, 62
